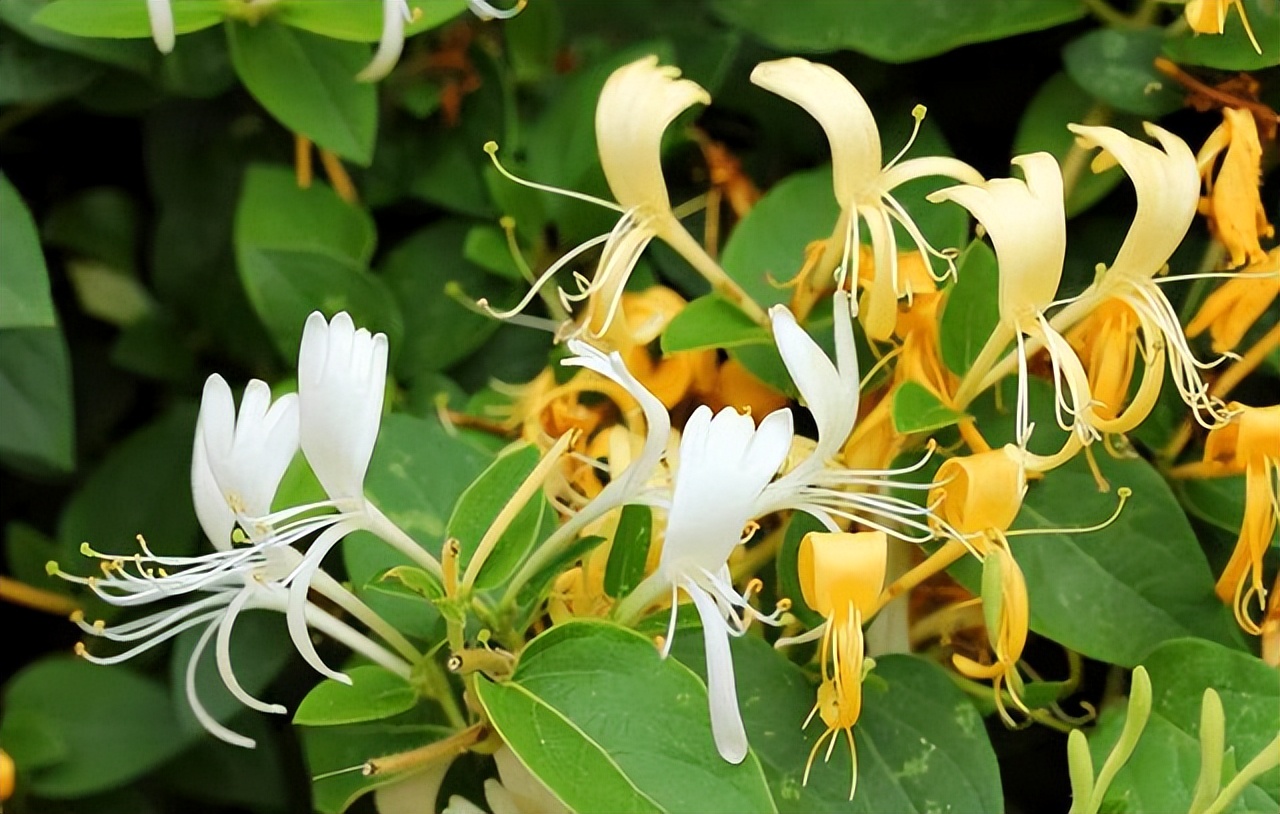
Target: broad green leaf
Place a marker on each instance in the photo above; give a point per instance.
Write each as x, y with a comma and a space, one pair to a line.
300, 251
440, 330
1115, 66
572, 714
921, 744
37, 419
917, 409
712, 322
336, 753
406, 579
408, 483
1061, 101
800, 524
30, 74
1161, 774
534, 38
767, 247
972, 309
110, 295
629, 551
1116, 593
142, 487
1232, 51
24, 281
125, 18
481, 503
273, 213
308, 83
486, 247
374, 693
115, 725
894, 30
137, 57
285, 286
31, 740
360, 21
258, 654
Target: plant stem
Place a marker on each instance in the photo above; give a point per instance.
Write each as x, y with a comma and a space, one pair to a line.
395, 537
678, 238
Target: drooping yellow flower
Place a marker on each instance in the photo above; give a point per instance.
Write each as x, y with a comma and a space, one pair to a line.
637, 104
864, 185
1231, 202
1210, 17
979, 497
841, 577
1106, 343
1249, 443
1026, 222
1165, 182
1231, 310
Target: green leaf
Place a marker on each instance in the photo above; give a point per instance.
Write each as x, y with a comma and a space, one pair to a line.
917, 409
24, 281
767, 246
481, 503
1116, 593
408, 483
332, 749
99, 223
1059, 102
712, 322
32, 741
534, 38
921, 744
137, 57
486, 247
37, 419
570, 712
894, 30
300, 251
410, 580
629, 551
374, 693
273, 213
1115, 66
1219, 501
308, 83
142, 487
360, 21
439, 330
30, 74
1161, 774
125, 18
114, 297
1232, 51
972, 309
114, 724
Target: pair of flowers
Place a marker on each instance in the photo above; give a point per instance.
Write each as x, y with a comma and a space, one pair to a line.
237, 464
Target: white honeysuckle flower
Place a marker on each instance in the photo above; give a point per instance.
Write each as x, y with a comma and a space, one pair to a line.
488, 11
863, 186
1026, 221
160, 15
1167, 185
342, 377
395, 13
725, 463
516, 791
237, 461
816, 485
637, 104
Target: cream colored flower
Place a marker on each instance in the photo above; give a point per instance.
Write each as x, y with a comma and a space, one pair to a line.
863, 183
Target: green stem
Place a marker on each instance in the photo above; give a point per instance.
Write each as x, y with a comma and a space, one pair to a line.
678, 238
436, 682
630, 609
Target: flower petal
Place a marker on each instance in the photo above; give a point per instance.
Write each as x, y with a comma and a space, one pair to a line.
160, 15
394, 15
722, 694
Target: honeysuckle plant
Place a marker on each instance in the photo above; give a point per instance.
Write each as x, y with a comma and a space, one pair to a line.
783, 475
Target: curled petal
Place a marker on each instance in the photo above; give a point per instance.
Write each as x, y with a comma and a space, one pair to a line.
160, 15
394, 15
726, 721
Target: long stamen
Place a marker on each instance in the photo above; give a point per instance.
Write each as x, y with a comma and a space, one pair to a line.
917, 113
491, 147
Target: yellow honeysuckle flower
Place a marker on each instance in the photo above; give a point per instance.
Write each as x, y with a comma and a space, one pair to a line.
863, 186
1231, 199
1210, 17
1105, 343
980, 496
1026, 222
1249, 443
841, 576
1230, 311
637, 104
1165, 181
